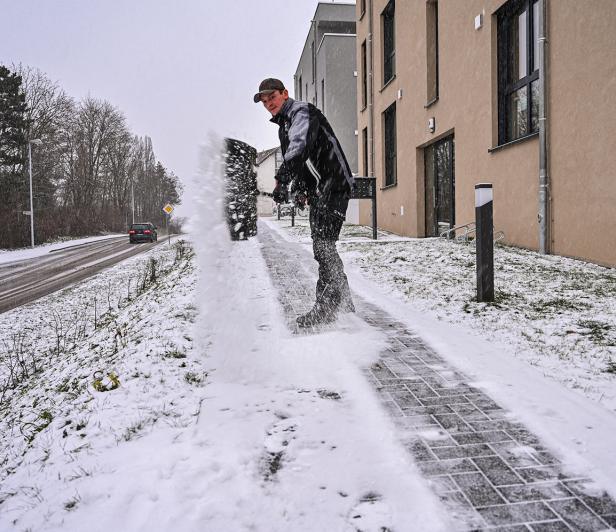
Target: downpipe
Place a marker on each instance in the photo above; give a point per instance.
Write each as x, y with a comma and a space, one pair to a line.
544, 180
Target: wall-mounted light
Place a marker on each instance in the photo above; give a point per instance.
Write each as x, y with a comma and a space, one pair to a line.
479, 21
431, 124
399, 94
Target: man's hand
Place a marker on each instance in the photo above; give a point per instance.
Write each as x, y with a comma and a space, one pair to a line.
300, 200
284, 174
280, 193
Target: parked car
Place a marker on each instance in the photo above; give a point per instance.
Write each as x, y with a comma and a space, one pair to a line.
142, 232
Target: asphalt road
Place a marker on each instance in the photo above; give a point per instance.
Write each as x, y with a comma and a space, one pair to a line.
26, 280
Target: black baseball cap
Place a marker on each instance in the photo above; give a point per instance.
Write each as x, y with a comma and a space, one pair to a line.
268, 86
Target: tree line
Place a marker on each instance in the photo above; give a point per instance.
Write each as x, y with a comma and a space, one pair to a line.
84, 169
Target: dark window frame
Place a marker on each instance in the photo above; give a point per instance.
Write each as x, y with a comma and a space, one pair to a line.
313, 57
364, 75
390, 150
432, 52
388, 25
364, 141
323, 94
508, 84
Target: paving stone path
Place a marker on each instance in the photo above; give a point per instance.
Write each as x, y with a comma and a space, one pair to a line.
489, 470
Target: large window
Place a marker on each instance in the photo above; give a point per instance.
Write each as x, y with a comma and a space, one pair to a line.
364, 146
314, 62
432, 50
518, 74
389, 126
323, 95
364, 76
389, 42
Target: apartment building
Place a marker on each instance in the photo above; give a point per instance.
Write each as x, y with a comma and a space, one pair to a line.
266, 166
326, 76
517, 93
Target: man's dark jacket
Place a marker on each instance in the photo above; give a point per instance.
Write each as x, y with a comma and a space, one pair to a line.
312, 154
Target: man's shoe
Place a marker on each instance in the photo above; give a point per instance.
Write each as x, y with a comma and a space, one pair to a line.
317, 316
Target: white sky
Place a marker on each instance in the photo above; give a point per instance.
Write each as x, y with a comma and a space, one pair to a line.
176, 69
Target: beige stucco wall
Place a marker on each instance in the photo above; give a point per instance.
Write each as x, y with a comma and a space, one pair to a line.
582, 107
582, 103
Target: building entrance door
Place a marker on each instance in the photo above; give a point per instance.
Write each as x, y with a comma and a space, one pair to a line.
440, 186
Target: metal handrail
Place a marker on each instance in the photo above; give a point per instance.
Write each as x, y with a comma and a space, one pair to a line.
469, 229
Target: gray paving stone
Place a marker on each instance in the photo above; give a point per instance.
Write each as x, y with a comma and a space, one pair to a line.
418, 422
446, 467
469, 412
428, 410
463, 451
535, 492
510, 514
514, 528
452, 422
420, 451
601, 503
454, 399
497, 471
478, 490
421, 390
610, 520
514, 454
537, 474
577, 515
550, 526
465, 438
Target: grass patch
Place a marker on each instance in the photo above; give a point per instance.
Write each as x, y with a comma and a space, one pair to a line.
597, 331
558, 304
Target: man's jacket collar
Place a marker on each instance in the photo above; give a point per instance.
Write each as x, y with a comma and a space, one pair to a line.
283, 112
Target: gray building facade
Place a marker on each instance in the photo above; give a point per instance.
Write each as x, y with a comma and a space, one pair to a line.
326, 74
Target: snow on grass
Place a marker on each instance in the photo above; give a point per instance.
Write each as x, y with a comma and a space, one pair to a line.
555, 313
55, 422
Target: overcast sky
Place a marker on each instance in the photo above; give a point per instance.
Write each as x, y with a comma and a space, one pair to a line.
177, 69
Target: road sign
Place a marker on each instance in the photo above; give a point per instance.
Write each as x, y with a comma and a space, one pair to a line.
168, 208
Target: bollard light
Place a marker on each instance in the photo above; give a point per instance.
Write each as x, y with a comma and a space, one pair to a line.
484, 241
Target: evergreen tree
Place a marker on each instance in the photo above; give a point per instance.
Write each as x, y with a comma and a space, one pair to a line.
12, 121
14, 226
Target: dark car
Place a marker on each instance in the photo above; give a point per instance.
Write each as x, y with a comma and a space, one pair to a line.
142, 232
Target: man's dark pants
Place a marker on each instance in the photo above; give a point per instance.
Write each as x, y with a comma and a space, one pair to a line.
332, 291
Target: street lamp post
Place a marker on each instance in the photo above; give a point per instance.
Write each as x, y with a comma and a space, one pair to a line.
37, 142
132, 194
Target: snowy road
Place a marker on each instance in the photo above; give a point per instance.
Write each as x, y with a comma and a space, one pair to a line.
24, 281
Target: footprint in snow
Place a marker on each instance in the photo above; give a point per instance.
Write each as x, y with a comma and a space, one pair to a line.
370, 514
